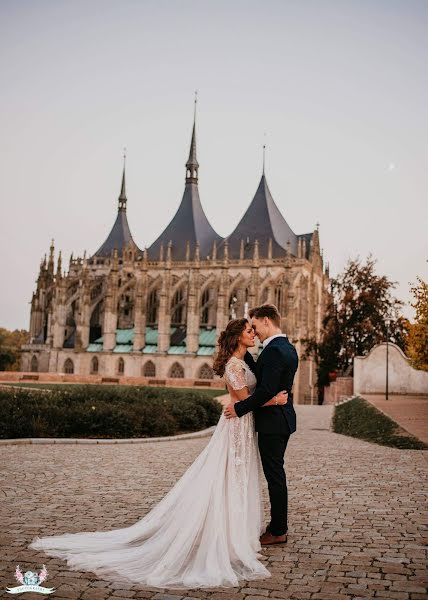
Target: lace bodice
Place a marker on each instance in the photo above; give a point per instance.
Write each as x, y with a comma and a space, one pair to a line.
238, 375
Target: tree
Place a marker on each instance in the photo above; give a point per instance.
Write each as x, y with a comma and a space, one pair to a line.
10, 347
360, 302
417, 341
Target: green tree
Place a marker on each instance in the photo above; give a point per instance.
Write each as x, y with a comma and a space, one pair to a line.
360, 303
10, 348
417, 341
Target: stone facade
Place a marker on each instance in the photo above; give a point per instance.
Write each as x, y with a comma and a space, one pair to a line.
158, 312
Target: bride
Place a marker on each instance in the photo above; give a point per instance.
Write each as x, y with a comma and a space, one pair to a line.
205, 531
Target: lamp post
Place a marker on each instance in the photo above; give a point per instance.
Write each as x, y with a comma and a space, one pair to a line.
387, 324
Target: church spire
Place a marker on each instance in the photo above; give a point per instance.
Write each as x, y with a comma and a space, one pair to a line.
122, 197
192, 164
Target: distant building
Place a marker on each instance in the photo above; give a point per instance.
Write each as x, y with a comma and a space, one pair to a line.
158, 312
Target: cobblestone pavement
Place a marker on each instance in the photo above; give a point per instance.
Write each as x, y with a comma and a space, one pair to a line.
357, 514
411, 412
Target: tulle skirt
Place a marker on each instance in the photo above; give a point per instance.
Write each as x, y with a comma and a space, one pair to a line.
203, 533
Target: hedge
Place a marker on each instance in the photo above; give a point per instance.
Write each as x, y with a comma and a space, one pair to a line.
104, 412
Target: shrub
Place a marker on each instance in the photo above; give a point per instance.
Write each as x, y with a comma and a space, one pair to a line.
104, 412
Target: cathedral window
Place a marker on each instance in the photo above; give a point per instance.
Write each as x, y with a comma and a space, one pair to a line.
153, 307
178, 306
94, 365
208, 312
34, 364
177, 371
68, 366
149, 369
121, 366
278, 297
205, 372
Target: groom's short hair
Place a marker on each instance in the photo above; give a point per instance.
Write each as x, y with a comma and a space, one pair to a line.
266, 310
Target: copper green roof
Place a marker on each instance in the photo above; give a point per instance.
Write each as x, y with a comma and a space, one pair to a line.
207, 337
94, 347
124, 336
123, 348
205, 351
149, 349
125, 342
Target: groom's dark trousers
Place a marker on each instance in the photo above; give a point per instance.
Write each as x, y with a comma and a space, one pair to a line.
274, 370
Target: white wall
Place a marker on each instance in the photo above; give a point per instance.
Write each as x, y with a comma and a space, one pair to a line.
370, 373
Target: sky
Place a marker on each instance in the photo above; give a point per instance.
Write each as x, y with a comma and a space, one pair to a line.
337, 90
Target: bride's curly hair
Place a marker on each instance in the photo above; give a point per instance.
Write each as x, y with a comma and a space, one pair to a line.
228, 343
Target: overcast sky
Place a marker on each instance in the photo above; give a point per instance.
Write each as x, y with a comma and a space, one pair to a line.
340, 88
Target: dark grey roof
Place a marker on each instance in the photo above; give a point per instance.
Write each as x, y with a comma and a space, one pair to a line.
262, 221
120, 234
189, 224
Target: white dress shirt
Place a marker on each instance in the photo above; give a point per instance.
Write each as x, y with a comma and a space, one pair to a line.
272, 337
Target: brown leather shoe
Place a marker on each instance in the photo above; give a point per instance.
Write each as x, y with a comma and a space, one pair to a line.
267, 539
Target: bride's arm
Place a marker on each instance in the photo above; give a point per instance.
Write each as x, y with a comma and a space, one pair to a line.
279, 400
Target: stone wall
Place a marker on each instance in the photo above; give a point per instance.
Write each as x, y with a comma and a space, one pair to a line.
370, 373
338, 390
19, 376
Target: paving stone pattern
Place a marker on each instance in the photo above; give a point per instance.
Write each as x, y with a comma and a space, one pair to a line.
358, 514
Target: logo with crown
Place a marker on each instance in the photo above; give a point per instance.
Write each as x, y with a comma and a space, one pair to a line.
30, 582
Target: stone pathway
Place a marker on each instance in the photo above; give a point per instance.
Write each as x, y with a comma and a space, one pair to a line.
358, 514
411, 412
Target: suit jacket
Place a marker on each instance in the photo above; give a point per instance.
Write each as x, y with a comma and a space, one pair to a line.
274, 370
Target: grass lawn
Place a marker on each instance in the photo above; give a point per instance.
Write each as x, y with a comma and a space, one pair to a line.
358, 418
211, 392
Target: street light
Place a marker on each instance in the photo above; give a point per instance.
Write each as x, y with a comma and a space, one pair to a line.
387, 324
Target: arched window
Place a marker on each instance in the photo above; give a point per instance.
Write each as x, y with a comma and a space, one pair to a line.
94, 365
205, 372
68, 366
264, 295
153, 307
149, 369
121, 366
177, 371
34, 364
205, 309
278, 297
178, 306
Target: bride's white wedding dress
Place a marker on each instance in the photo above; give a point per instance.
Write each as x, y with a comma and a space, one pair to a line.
203, 533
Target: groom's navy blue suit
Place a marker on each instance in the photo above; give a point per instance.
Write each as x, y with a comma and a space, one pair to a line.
274, 370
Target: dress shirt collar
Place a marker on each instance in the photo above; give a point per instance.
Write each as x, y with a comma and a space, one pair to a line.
272, 337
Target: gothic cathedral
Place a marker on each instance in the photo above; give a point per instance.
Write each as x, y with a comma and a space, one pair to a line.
155, 314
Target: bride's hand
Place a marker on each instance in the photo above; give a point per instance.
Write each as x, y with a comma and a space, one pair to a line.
281, 398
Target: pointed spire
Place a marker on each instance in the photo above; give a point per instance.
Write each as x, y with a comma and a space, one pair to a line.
192, 164
122, 197
59, 266
264, 157
51, 258
256, 251
197, 253
241, 250
226, 252
214, 255
169, 254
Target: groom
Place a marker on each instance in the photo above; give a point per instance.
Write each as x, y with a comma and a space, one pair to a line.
274, 370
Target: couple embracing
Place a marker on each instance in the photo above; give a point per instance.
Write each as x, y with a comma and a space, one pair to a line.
208, 530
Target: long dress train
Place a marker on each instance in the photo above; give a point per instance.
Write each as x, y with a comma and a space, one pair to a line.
205, 530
